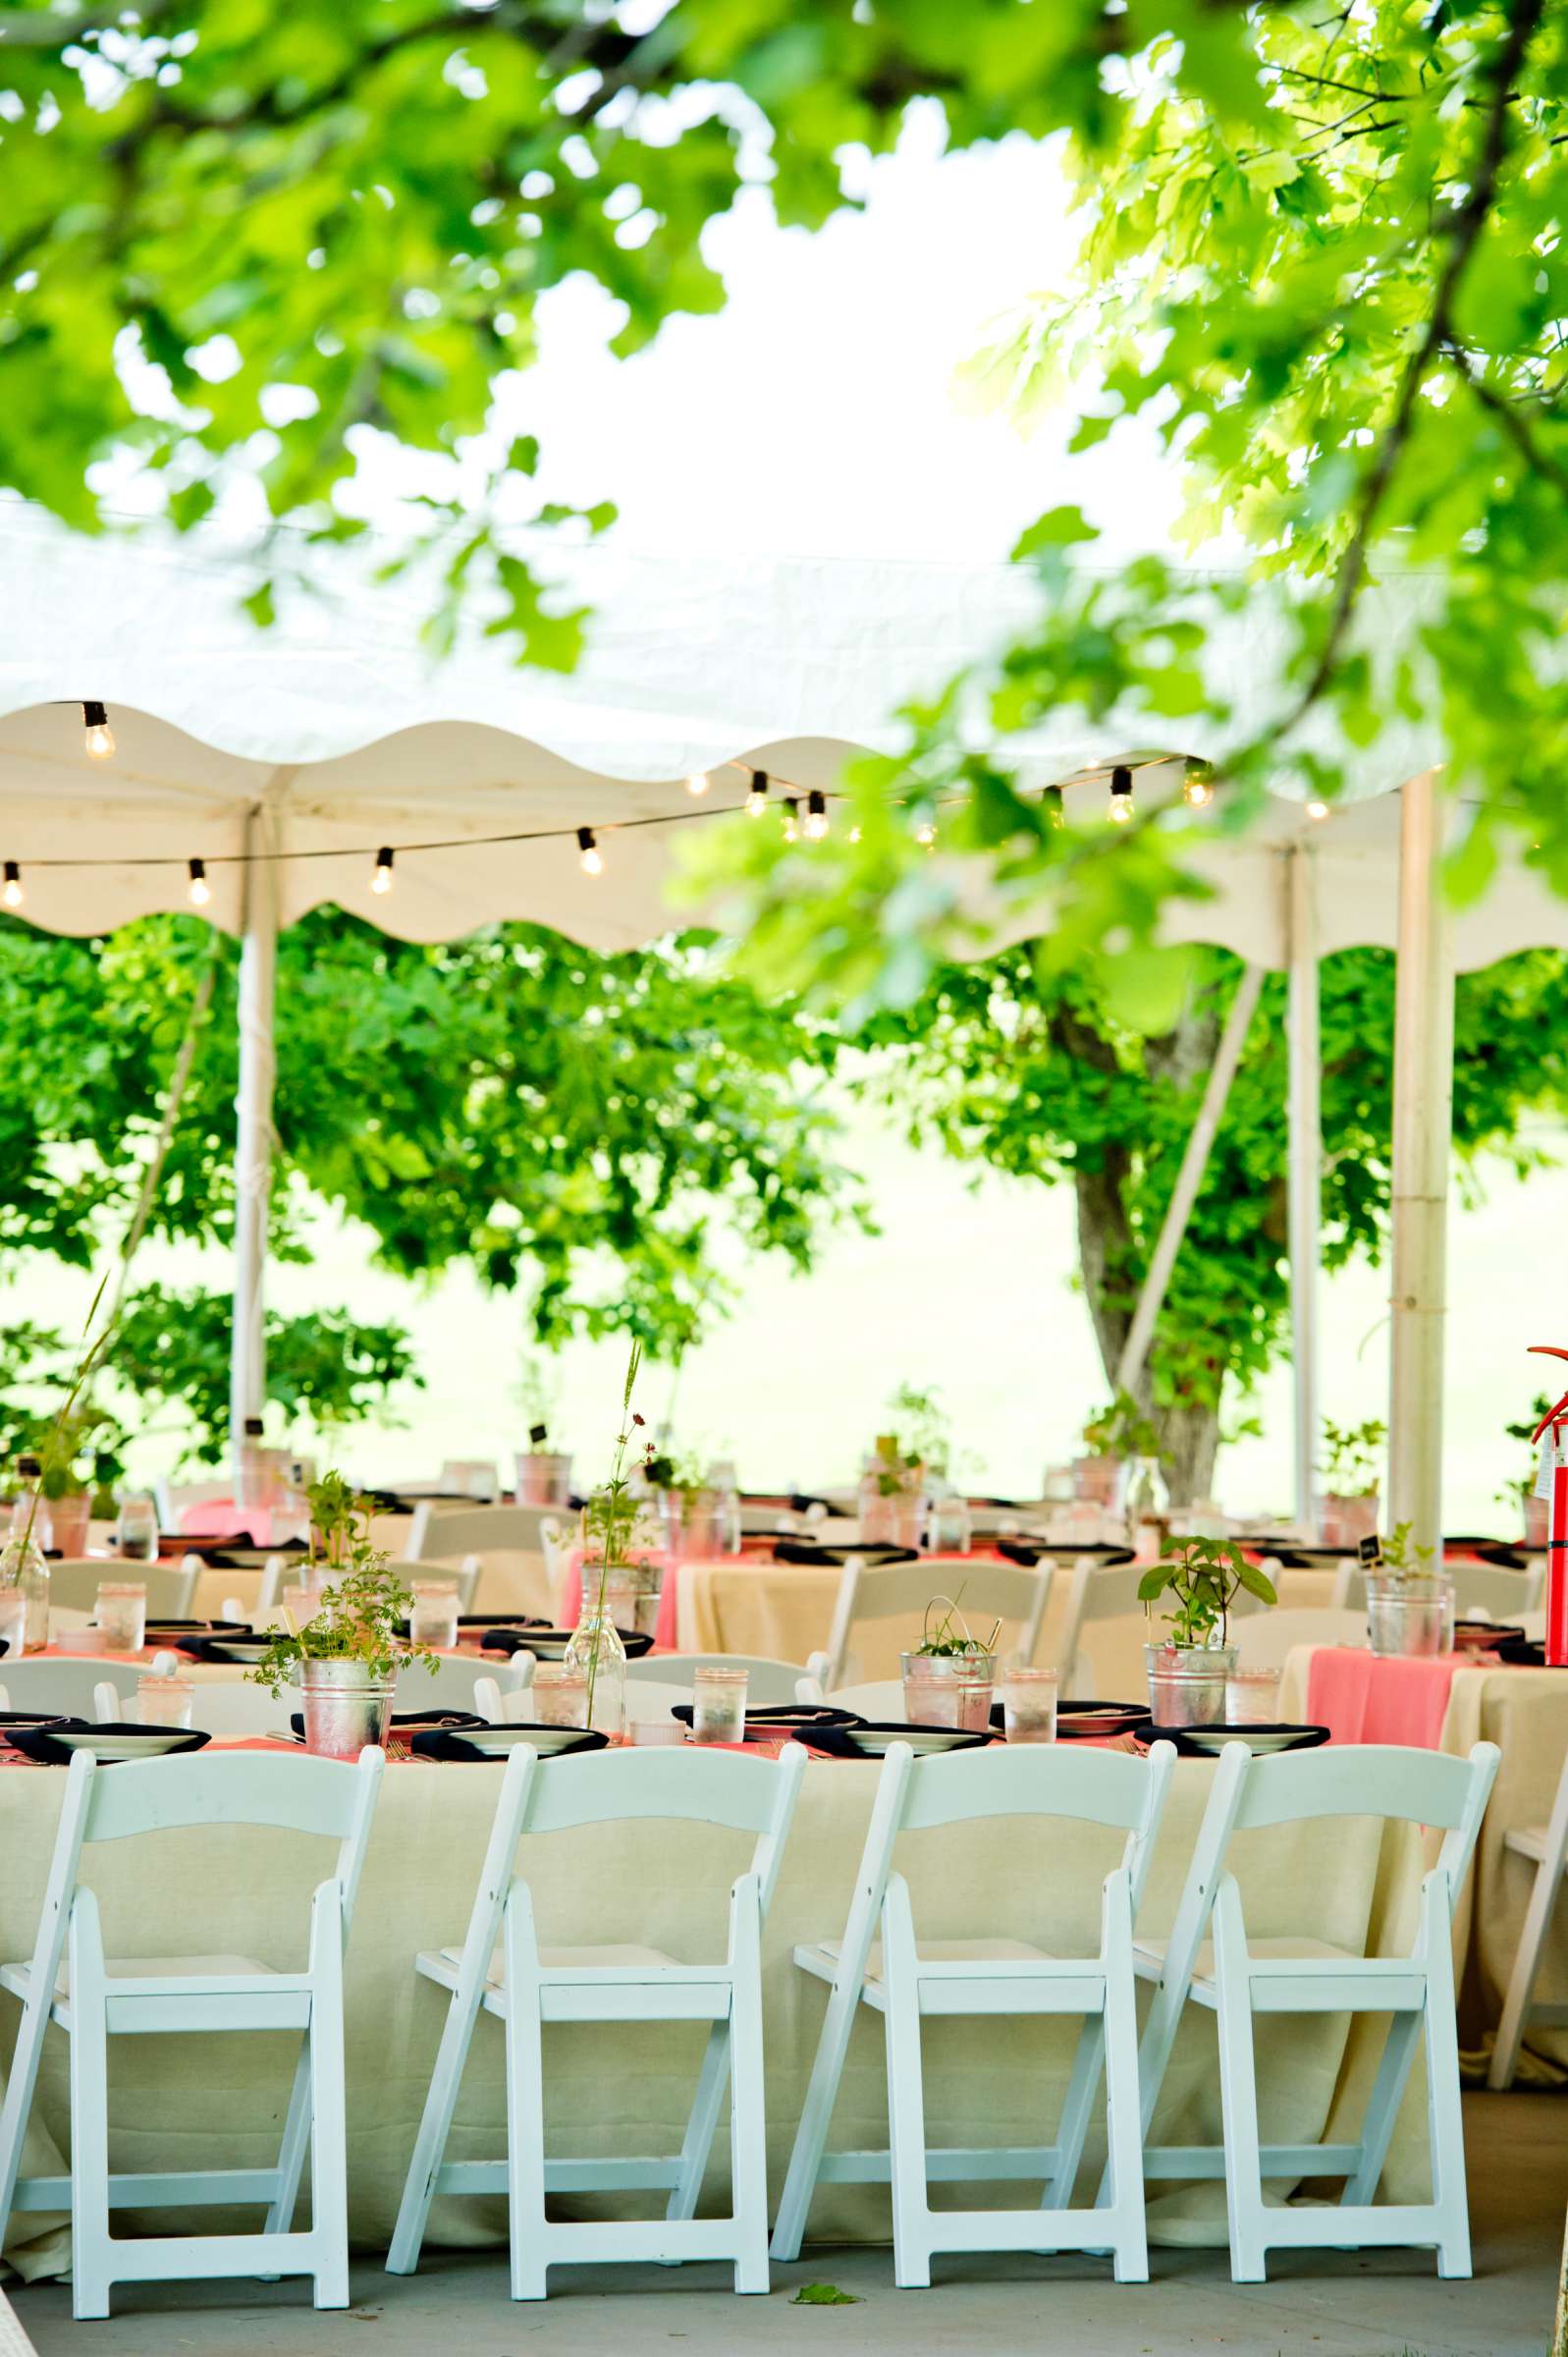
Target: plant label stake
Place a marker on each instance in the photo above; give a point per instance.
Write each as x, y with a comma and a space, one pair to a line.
1552, 1483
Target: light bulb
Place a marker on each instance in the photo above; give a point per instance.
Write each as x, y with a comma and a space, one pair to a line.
1056, 807
791, 832
381, 875
854, 834
816, 816
1121, 809
200, 889
99, 738
1316, 808
1196, 789
757, 798
13, 893
926, 832
592, 859
697, 783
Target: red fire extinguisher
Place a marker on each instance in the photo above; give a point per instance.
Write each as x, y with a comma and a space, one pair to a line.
1556, 1647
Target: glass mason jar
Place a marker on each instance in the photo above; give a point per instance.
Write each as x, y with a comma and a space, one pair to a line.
692, 1523
949, 1527
948, 1689
1029, 1704
718, 1703
433, 1620
891, 1502
595, 1652
1410, 1615
163, 1701
64, 1524
135, 1531
560, 1696
727, 1494
22, 1566
121, 1612
1187, 1683
1251, 1698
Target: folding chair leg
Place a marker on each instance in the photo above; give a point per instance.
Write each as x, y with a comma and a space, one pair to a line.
435, 2126
90, 2262
25, 2056
1522, 1980
526, 2110
292, 2151
1082, 2088
816, 2116
907, 2105
1123, 2121
703, 2124
1383, 2109
748, 2124
329, 2138
1238, 2089
1447, 2123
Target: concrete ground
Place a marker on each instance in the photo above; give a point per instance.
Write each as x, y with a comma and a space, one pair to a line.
1330, 2303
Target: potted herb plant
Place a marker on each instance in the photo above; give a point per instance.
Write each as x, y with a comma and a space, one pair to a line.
689, 1507
1188, 1670
542, 1475
609, 1527
948, 1679
346, 1660
1534, 1512
1410, 1598
1351, 1458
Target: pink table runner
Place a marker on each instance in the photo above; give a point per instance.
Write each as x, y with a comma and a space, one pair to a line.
1374, 1698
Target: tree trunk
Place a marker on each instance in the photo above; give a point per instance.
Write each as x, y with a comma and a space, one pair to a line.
1111, 1259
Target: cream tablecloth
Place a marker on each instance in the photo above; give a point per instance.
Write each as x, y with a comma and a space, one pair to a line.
1524, 1713
219, 2101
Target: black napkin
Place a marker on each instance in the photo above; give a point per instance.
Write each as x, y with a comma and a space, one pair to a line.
435, 1743
1525, 1653
1073, 1717
802, 1550
1498, 1550
215, 1648
512, 1639
39, 1742
1306, 1738
436, 1721
802, 1716
835, 1743
1030, 1552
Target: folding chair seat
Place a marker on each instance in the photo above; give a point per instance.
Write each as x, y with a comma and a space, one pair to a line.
70, 1983
1210, 1960
1546, 1847
903, 1979
501, 1969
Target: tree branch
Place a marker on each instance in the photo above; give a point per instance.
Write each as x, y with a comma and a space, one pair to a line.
1509, 417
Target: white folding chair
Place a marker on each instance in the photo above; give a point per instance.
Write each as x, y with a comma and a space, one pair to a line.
94, 1999
73, 1585
1488, 1591
1547, 1846
768, 1683
1014, 1591
1208, 1957
1264, 1639
499, 1703
1110, 1593
502, 1969
69, 1687
991, 1977
553, 1546
444, 1534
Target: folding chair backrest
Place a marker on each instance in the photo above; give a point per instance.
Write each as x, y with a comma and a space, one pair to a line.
769, 1682
36, 1683
1264, 1639
1490, 1589
73, 1584
442, 1535
300, 1794
1376, 1779
1112, 1788
992, 1591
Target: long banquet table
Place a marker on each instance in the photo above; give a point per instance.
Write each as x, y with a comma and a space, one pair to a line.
219, 2101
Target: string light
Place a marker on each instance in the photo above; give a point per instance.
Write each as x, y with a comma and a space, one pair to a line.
13, 893
1121, 809
697, 783
1056, 807
200, 889
757, 798
854, 834
791, 832
1316, 808
925, 832
1196, 789
381, 875
592, 859
99, 735
816, 815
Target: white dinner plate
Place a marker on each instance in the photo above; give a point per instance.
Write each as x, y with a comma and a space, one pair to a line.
874, 1741
1257, 1742
240, 1651
104, 1746
499, 1739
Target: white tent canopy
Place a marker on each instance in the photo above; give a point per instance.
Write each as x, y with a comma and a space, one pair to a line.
285, 758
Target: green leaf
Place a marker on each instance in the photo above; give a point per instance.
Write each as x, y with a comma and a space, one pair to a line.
824, 2295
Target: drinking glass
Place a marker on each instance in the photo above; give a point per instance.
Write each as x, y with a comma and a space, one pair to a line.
135, 1531
470, 1477
121, 1612
433, 1623
560, 1696
719, 1703
1029, 1705
930, 1698
1251, 1698
13, 1623
163, 1701
950, 1526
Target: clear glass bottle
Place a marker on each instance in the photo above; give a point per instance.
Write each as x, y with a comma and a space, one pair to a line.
22, 1565
726, 1492
595, 1652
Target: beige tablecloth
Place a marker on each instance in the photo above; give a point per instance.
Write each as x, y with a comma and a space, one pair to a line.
219, 2101
1524, 1713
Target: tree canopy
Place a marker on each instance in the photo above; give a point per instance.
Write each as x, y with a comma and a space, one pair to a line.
1321, 256
585, 1129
